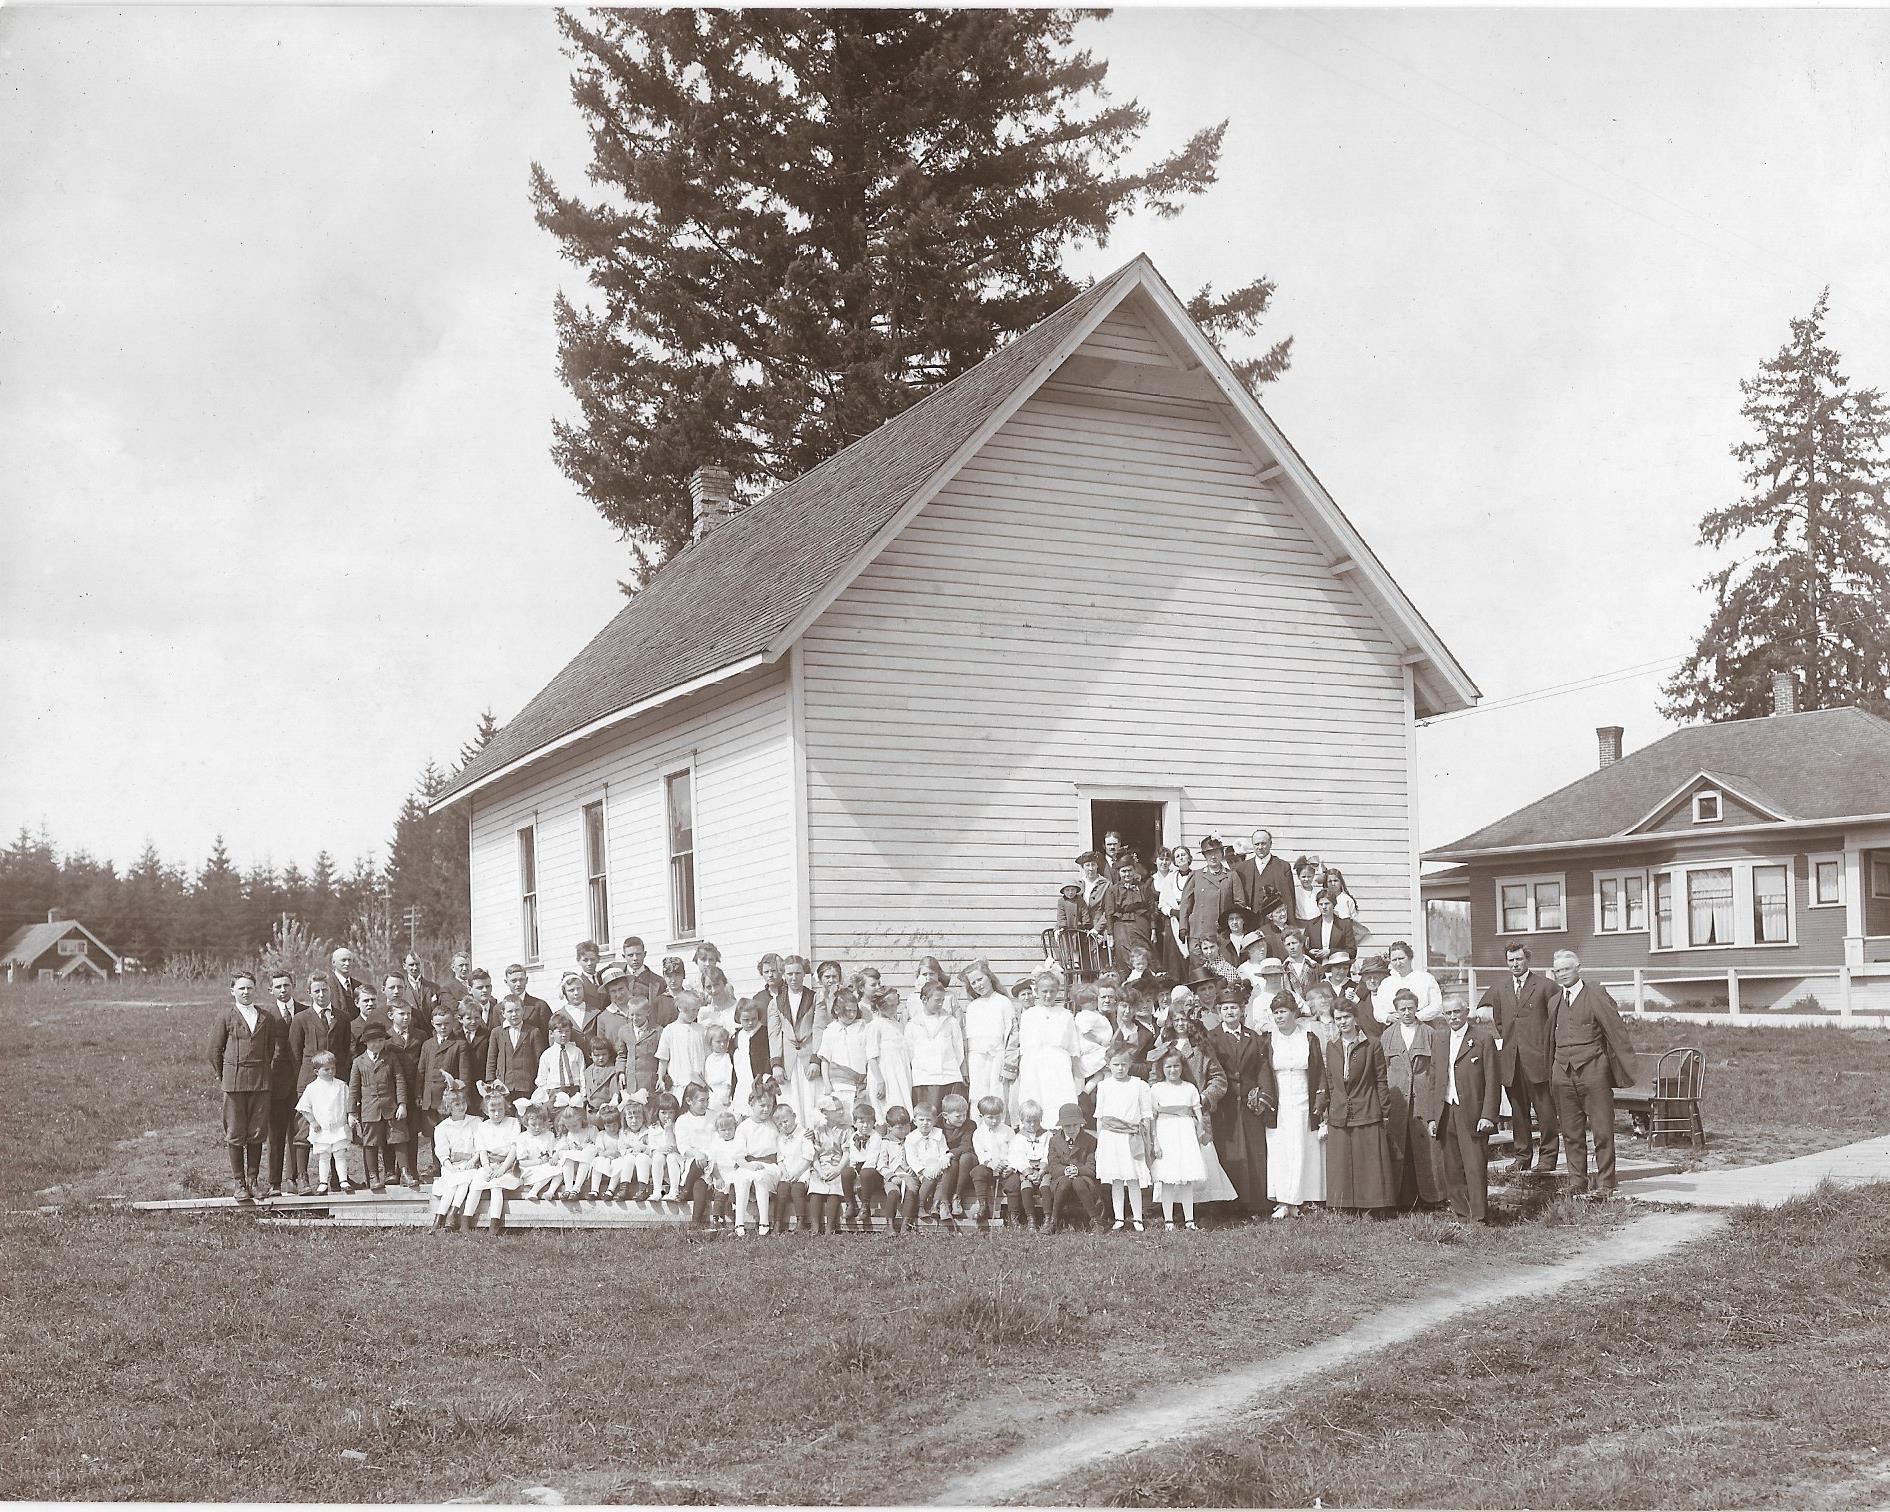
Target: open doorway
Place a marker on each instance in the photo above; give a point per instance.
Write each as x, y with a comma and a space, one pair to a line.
1138, 823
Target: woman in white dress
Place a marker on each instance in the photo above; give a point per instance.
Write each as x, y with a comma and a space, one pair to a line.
990, 1035
888, 1061
1047, 1048
1179, 1168
1296, 1155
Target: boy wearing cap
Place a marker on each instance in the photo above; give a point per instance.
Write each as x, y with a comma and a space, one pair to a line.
377, 1092
1071, 1175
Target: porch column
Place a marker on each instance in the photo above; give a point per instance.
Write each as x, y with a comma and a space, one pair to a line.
1855, 877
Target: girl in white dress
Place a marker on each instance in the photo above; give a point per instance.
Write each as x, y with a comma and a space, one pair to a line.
888, 1062
747, 1030
937, 1048
843, 1050
456, 1156
1124, 1136
1178, 1168
1048, 1049
718, 1069
1296, 1152
496, 1138
990, 1035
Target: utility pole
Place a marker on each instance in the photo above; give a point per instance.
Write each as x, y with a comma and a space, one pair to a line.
412, 916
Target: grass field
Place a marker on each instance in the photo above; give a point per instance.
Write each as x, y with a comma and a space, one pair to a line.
207, 1357
1750, 1372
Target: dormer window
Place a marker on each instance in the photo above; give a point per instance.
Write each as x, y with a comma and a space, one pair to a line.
1706, 806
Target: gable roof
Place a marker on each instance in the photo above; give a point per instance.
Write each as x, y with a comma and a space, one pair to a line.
28, 944
1818, 766
1748, 793
708, 614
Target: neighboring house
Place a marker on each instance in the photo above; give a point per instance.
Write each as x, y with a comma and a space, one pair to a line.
876, 713
58, 950
1758, 843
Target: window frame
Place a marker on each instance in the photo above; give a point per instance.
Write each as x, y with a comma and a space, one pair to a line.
1812, 862
680, 936
1718, 816
1532, 881
596, 869
1621, 879
525, 853
1744, 917
1879, 881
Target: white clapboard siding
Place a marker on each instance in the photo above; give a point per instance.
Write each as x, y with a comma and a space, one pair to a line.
740, 743
1125, 337
1105, 595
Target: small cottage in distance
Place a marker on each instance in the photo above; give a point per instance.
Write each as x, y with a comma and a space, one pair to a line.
59, 950
1088, 584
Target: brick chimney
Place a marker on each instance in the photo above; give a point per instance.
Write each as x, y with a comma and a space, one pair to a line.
1610, 738
711, 497
1784, 694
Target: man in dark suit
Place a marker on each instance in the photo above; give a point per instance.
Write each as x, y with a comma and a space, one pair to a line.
1519, 1007
1590, 1055
596, 994
442, 1056
367, 1014
282, 1007
344, 982
1460, 1099
1261, 871
315, 1030
422, 994
242, 1046
537, 1012
513, 1051
636, 960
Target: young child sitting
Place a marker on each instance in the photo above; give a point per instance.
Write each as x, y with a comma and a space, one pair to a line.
929, 1159
324, 1108
539, 1169
632, 1173
860, 1179
607, 1152
955, 1191
576, 1146
993, 1179
897, 1179
603, 1077
666, 1163
695, 1137
725, 1158
796, 1161
1030, 1156
1071, 1173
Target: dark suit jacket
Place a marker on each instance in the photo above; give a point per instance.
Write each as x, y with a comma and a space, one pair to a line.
537, 1015
1315, 1084
1479, 1080
341, 994
1247, 1062
1255, 880
1344, 936
282, 1062
596, 995
1064, 1153
1522, 1024
439, 1059
517, 1068
1357, 1091
378, 1088
407, 1053
239, 1055
423, 999
1615, 1041
310, 1037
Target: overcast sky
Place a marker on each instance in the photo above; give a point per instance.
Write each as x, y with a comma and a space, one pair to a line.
277, 366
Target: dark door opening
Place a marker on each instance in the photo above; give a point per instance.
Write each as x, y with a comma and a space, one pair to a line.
1139, 824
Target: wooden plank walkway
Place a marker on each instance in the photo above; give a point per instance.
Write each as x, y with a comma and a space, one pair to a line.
408, 1208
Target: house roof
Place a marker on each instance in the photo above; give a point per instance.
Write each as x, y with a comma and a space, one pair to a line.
739, 597
28, 944
1821, 765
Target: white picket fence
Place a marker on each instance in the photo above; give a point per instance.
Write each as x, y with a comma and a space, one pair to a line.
1852, 995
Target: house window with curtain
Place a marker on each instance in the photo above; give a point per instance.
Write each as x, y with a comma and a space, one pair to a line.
1531, 905
1827, 881
680, 801
597, 870
1620, 903
1710, 906
528, 890
1663, 911
1771, 905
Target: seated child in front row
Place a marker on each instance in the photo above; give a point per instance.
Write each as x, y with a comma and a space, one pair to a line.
666, 1162
1030, 1155
725, 1159
695, 1136
1071, 1174
540, 1172
930, 1159
577, 1152
955, 1189
606, 1150
631, 1178
860, 1180
992, 1178
324, 1106
897, 1179
827, 1170
796, 1160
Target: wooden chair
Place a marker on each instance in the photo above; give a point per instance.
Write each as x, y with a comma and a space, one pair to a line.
1664, 1100
1082, 956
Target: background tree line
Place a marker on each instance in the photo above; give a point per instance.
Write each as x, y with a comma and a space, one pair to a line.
194, 920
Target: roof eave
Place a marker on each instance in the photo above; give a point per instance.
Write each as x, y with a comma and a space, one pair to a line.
1605, 842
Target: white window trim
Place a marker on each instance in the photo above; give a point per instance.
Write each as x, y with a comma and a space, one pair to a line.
1870, 882
1647, 902
1741, 868
666, 771
599, 795
1718, 816
1088, 795
1531, 881
1812, 862
530, 957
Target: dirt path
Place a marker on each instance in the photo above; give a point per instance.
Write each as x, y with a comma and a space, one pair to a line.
1159, 1417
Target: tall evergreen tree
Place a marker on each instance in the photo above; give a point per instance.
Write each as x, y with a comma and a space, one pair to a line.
29, 879
216, 905
481, 738
326, 916
815, 217
1809, 592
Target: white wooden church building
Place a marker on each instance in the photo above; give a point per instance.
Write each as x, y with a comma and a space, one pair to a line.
875, 714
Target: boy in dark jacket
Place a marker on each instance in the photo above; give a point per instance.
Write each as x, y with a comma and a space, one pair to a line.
1072, 1173
378, 1093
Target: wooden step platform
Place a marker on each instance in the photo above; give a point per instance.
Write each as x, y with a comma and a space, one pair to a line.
403, 1207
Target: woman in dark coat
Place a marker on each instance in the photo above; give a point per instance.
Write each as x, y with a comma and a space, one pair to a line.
1240, 1117
1131, 911
1358, 1103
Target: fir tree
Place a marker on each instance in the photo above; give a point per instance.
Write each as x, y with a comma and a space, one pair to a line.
1810, 591
481, 738
815, 217
216, 905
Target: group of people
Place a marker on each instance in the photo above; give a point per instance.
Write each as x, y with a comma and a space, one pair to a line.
829, 1100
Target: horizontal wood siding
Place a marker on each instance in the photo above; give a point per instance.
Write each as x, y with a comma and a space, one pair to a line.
1104, 595
739, 738
1124, 337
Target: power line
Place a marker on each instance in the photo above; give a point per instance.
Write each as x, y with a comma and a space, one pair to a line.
1556, 690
